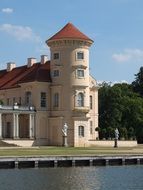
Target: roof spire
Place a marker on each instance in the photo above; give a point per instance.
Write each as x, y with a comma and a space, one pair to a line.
71, 32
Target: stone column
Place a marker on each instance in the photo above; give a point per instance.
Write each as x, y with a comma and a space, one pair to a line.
0, 125
15, 126
31, 126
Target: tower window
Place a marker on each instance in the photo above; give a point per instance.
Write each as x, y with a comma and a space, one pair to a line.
56, 73
81, 131
91, 130
43, 99
56, 56
80, 73
56, 100
80, 100
80, 55
90, 102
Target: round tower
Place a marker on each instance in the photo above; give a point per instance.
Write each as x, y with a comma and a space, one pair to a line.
70, 80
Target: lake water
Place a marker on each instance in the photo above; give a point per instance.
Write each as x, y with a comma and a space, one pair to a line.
78, 178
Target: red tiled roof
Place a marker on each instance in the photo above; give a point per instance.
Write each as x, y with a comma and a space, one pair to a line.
69, 31
37, 72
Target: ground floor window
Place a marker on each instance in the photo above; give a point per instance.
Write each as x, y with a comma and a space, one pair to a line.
81, 131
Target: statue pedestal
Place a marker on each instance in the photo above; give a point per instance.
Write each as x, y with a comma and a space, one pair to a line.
65, 143
115, 143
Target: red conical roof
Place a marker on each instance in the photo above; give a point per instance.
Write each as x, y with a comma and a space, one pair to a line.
69, 31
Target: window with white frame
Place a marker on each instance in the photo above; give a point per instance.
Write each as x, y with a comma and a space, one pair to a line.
43, 99
56, 73
80, 55
56, 55
80, 99
81, 131
80, 73
56, 100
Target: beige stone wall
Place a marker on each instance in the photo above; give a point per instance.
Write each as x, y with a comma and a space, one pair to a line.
49, 121
55, 131
68, 85
111, 143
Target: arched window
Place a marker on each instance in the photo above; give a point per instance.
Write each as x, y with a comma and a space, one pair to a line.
80, 100
81, 131
56, 100
28, 98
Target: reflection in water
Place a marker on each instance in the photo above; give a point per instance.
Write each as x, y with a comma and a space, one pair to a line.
78, 178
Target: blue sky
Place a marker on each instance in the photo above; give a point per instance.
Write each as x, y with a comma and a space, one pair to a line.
116, 26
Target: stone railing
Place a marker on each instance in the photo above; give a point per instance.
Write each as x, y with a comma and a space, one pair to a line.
81, 109
17, 107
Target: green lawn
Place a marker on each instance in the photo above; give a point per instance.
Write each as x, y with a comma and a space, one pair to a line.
67, 151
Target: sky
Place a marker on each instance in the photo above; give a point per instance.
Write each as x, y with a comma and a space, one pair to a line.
116, 26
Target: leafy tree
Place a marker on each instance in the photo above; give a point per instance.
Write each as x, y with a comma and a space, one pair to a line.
138, 82
120, 107
1, 102
131, 133
123, 133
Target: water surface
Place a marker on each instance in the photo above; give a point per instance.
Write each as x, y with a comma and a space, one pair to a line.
78, 178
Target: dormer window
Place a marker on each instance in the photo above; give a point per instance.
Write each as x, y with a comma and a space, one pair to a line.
80, 55
56, 56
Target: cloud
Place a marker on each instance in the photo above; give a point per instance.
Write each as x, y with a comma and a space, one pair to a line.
7, 10
128, 55
20, 32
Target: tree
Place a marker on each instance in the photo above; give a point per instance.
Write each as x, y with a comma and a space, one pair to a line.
1, 102
131, 133
120, 107
123, 134
138, 82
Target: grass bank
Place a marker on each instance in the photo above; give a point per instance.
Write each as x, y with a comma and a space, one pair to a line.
70, 151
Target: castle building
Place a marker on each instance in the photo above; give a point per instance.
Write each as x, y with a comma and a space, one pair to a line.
38, 98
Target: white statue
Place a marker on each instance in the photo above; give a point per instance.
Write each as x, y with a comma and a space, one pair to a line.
116, 134
65, 129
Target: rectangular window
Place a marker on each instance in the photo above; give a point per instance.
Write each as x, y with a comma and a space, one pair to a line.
56, 56
8, 101
56, 73
28, 98
14, 100
43, 99
90, 102
81, 131
56, 100
80, 55
19, 100
91, 130
80, 73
